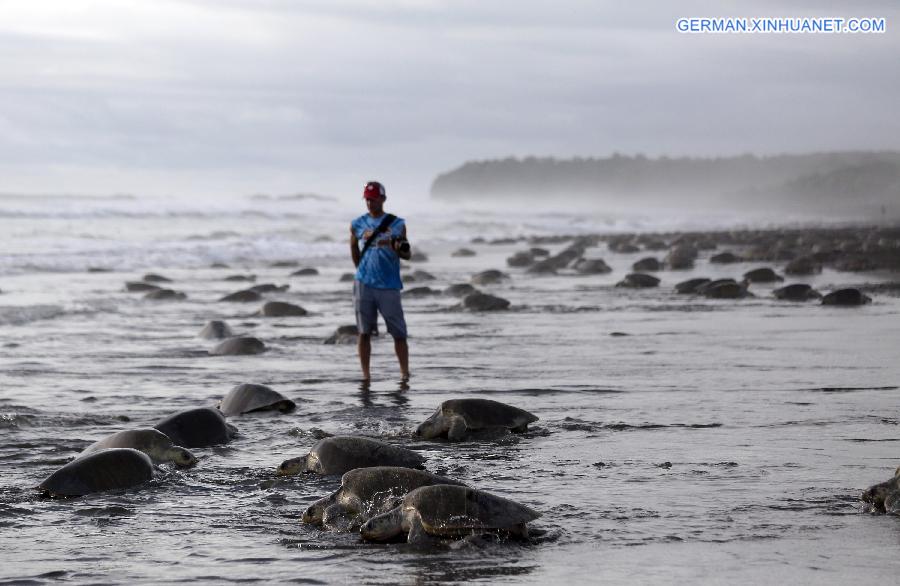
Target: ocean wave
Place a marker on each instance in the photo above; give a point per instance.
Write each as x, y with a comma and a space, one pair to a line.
18, 315
21, 315
148, 208
191, 252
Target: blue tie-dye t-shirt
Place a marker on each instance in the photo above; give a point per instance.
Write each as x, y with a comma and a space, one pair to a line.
380, 265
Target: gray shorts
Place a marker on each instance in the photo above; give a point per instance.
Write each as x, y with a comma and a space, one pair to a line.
369, 301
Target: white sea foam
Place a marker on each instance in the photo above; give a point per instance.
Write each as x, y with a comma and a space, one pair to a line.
74, 233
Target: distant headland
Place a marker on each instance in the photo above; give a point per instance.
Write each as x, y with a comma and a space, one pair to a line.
851, 181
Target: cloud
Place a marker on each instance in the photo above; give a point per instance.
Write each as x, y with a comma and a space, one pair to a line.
237, 95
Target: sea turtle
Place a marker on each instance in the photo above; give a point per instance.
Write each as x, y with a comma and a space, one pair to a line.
152, 442
366, 492
459, 290
681, 256
796, 292
726, 257
691, 285
622, 245
457, 417
803, 265
165, 295
239, 346
883, 494
489, 277
592, 266
281, 309
215, 330
649, 263
340, 454
245, 296
558, 261
638, 281
849, 297
113, 469
762, 275
445, 510
197, 428
420, 292
305, 272
248, 397
347, 334
523, 258
269, 288
724, 289
140, 287
478, 301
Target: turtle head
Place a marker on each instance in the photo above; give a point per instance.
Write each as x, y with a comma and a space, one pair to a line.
431, 427
384, 527
315, 513
292, 466
181, 457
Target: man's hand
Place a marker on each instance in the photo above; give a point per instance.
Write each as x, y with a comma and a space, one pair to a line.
395, 245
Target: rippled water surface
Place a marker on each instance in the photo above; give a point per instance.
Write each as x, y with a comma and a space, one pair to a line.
715, 440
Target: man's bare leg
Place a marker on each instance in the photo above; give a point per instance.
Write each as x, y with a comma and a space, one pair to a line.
364, 347
402, 350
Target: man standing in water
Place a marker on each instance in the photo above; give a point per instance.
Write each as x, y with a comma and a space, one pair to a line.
377, 285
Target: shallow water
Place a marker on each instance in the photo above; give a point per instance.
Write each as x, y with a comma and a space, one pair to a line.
717, 440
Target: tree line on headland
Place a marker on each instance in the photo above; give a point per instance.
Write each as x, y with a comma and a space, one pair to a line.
829, 182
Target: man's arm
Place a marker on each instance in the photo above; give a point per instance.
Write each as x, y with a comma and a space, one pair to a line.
354, 247
405, 255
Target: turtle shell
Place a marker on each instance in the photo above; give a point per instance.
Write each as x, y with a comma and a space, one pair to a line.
197, 428
485, 413
796, 292
150, 441
246, 398
377, 482
451, 510
691, 285
112, 469
340, 454
847, 297
763, 275
238, 346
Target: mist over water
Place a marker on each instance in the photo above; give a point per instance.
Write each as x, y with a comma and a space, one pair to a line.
716, 440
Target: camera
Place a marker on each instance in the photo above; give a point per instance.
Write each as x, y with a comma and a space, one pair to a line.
400, 244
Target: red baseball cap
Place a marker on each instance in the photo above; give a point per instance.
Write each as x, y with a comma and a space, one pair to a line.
373, 190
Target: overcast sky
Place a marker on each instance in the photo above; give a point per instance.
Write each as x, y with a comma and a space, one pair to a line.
284, 96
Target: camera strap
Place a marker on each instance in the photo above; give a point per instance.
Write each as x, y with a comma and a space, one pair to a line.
384, 225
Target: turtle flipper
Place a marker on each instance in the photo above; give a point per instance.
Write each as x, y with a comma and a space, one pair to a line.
892, 503
518, 531
336, 518
417, 534
457, 430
